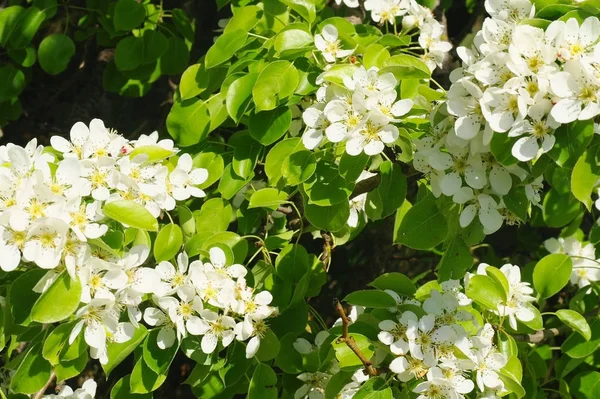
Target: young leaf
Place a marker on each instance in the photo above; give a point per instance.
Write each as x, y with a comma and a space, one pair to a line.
132, 214
485, 291
576, 321
168, 242
551, 274
59, 301
225, 47
268, 197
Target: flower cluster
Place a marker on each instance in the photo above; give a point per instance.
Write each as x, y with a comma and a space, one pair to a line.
427, 345
525, 81
51, 201
210, 299
586, 268
518, 298
414, 16
87, 391
360, 114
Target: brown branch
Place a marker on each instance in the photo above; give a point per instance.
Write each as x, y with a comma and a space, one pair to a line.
541, 335
45, 388
349, 341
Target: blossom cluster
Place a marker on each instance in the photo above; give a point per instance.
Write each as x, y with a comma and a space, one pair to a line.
51, 216
360, 114
432, 36
211, 299
51, 200
437, 343
525, 81
586, 268
519, 81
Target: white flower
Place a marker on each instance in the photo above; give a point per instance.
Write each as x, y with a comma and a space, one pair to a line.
348, 3
512, 10
372, 136
370, 82
12, 244
330, 46
538, 128
357, 204
487, 364
182, 311
386, 10
482, 205
585, 267
96, 318
166, 334
214, 328
578, 91
574, 41
316, 123
184, 179
394, 334
46, 239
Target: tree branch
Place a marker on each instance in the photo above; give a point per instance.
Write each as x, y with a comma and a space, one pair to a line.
541, 335
45, 388
349, 341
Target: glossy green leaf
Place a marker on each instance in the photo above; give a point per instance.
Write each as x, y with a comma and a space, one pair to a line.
59, 301
156, 358
371, 299
551, 274
239, 95
389, 195
396, 282
122, 390
298, 167
168, 242
117, 352
55, 53
12, 82
423, 226
586, 174
269, 126
188, 121
263, 384
21, 296
344, 354
225, 47
267, 198
275, 83
129, 14
131, 214
576, 321
485, 291
33, 372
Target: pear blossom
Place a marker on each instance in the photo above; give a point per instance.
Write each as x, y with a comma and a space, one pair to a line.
329, 44
578, 92
185, 178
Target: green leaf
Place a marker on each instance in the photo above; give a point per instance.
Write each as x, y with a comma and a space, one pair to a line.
74, 350
576, 321
168, 242
55, 342
131, 214
585, 176
12, 82
188, 122
33, 372
19, 25
517, 202
156, 358
59, 301
268, 197
326, 186
144, 379
72, 368
485, 291
405, 66
511, 376
244, 18
117, 352
331, 218
292, 41
586, 385
350, 167
277, 156
551, 274
292, 263
337, 383
374, 388
121, 390
344, 354
177, 57
230, 183
375, 56
153, 152
263, 384
423, 226
269, 126
129, 14
275, 83
269, 346
299, 167
21, 297
48, 7
55, 53
389, 195
306, 8
239, 95
577, 347
214, 163
560, 208
131, 52
572, 140
225, 47
456, 261
25, 57
500, 280
371, 299
396, 282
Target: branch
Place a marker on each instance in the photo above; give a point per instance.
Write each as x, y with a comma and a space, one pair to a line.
541, 335
45, 388
349, 341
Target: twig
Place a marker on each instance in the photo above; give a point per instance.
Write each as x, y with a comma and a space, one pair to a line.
45, 388
349, 341
541, 335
